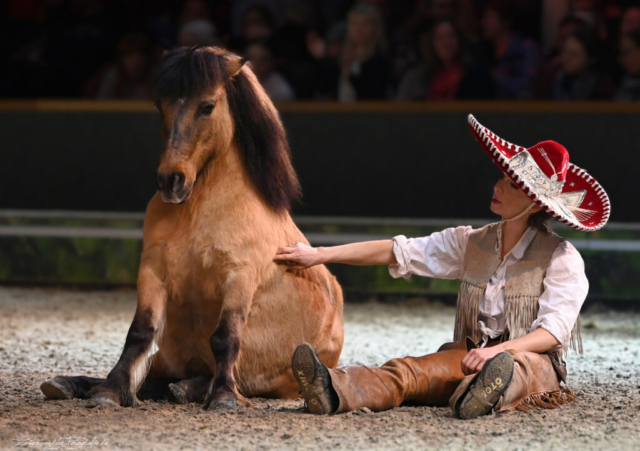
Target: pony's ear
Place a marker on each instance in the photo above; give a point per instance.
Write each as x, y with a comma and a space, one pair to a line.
235, 65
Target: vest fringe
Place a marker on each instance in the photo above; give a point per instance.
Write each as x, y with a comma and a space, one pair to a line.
520, 310
467, 311
576, 337
549, 400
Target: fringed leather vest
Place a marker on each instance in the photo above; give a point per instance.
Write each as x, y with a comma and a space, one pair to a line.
523, 287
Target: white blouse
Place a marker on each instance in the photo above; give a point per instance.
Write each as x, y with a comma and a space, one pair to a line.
441, 255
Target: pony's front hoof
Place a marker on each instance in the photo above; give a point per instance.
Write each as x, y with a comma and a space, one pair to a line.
104, 400
57, 388
179, 395
222, 400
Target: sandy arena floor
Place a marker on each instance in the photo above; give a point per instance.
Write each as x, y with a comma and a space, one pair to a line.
44, 333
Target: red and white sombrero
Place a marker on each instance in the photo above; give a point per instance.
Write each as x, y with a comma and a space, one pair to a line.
544, 173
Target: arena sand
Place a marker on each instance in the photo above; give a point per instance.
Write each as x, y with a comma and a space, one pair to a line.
44, 333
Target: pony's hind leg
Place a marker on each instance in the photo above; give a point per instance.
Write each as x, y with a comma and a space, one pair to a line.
156, 389
190, 390
69, 387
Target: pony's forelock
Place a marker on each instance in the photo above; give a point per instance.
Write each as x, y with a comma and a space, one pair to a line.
188, 70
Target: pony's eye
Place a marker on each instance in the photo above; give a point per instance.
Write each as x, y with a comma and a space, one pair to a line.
514, 186
206, 109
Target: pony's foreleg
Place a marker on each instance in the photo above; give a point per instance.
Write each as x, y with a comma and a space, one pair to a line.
225, 341
141, 344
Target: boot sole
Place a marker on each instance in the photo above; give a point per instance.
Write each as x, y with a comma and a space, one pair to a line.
490, 384
304, 370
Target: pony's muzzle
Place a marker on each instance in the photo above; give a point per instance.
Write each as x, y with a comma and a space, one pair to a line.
171, 182
173, 187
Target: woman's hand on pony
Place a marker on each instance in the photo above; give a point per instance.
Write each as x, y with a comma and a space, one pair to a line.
299, 256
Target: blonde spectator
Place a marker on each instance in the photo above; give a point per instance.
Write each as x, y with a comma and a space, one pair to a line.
363, 64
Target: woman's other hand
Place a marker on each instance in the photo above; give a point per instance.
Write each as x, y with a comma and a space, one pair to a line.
476, 358
299, 256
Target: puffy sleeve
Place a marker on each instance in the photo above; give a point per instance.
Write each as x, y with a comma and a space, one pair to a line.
565, 289
440, 255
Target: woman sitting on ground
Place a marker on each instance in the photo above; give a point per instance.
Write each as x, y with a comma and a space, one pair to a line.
521, 293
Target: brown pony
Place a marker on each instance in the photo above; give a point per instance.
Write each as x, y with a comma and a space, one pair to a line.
217, 320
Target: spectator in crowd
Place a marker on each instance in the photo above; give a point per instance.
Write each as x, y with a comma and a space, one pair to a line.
128, 77
261, 57
568, 26
630, 61
448, 70
363, 64
516, 60
630, 20
328, 73
298, 46
591, 12
194, 10
578, 77
257, 23
197, 32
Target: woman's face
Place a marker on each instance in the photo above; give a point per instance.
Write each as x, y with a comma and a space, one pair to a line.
254, 25
492, 25
361, 29
574, 57
445, 42
629, 56
508, 199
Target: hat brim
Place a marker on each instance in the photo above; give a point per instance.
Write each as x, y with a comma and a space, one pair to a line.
593, 197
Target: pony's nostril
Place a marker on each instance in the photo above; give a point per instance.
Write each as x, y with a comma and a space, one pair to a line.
161, 180
178, 179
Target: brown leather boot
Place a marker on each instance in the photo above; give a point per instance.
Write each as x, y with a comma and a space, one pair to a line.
314, 381
428, 380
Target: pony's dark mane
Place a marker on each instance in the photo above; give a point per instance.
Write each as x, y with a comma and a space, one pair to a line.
261, 139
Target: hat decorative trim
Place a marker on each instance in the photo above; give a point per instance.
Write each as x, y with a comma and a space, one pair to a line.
562, 194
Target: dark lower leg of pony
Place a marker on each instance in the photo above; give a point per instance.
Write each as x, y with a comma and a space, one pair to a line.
225, 345
190, 390
69, 387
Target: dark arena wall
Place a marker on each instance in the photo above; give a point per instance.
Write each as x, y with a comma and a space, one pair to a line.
397, 160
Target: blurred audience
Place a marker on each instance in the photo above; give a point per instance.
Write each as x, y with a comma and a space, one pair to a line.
197, 32
578, 76
257, 23
630, 61
345, 50
128, 76
261, 57
363, 65
630, 20
516, 60
447, 71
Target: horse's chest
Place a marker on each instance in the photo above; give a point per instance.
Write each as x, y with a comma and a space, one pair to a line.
196, 270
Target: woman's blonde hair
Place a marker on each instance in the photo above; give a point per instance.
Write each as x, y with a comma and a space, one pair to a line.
370, 12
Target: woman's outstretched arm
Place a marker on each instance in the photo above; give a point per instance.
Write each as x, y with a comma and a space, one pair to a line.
366, 253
